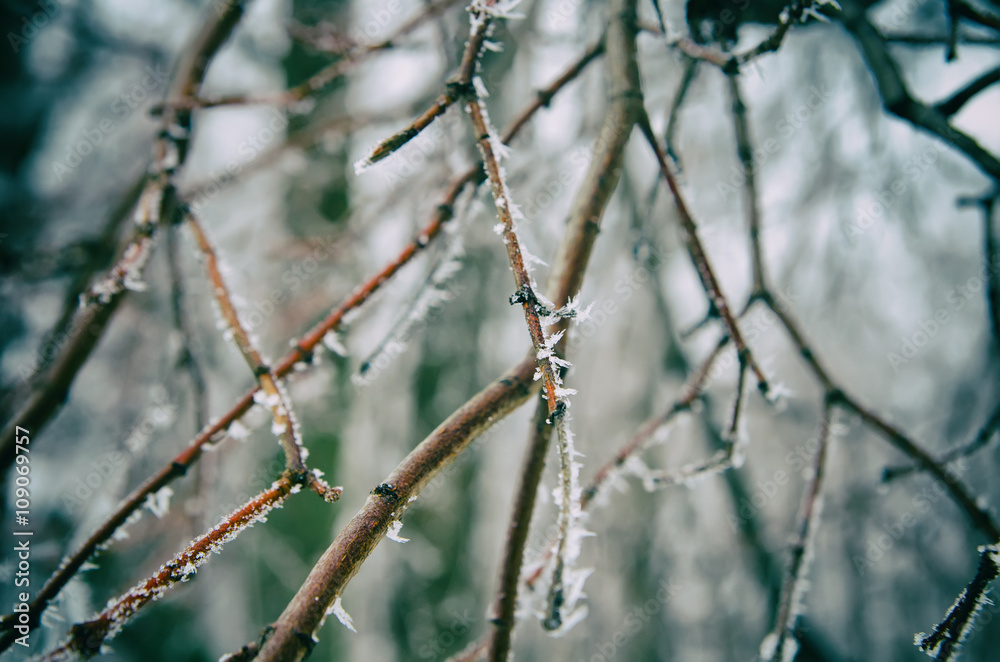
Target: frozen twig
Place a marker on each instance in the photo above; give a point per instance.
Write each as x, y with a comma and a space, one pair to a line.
397, 140
781, 644
87, 638
700, 258
977, 443
944, 643
156, 203
302, 351
272, 394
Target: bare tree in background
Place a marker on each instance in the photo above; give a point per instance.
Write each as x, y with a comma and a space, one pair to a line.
739, 259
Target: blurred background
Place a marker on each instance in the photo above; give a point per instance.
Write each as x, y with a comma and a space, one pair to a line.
863, 234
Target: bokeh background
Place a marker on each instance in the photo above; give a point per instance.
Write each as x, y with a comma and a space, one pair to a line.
863, 268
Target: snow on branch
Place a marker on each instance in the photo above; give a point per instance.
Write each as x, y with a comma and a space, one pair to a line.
945, 642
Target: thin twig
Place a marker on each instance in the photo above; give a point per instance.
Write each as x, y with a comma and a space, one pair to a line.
301, 353
802, 549
957, 101
584, 222
674, 114
156, 203
700, 259
322, 78
272, 393
949, 635
744, 149
87, 638
977, 443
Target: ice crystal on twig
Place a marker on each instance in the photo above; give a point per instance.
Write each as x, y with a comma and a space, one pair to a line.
158, 503
945, 642
393, 532
337, 609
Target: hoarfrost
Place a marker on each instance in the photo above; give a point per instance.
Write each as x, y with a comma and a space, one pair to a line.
361, 166
238, 431
480, 86
393, 532
158, 503
337, 609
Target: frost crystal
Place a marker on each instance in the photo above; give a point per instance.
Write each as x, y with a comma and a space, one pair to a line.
337, 609
433, 294
480, 86
361, 166
393, 532
779, 395
158, 503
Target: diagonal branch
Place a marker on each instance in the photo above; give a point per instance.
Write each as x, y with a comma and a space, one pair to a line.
87, 638
582, 227
273, 395
716, 298
896, 96
957, 101
156, 203
300, 354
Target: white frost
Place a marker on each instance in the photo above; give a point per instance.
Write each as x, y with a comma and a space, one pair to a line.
393, 532
158, 503
337, 609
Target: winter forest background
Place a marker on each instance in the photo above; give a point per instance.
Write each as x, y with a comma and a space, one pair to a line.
823, 219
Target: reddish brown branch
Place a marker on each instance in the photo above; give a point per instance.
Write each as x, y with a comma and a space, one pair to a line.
155, 204
274, 397
716, 298
802, 548
87, 638
584, 222
301, 352
298, 624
